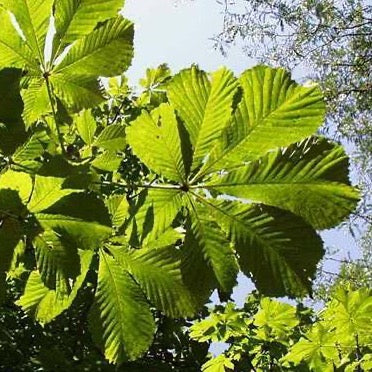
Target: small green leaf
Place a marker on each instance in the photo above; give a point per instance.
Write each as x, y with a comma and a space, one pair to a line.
86, 126
112, 138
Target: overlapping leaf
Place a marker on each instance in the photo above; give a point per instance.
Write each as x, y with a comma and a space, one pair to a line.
204, 105
121, 316
274, 112
308, 179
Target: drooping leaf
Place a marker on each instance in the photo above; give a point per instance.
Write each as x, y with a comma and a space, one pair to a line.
36, 101
82, 219
76, 92
157, 140
11, 208
204, 105
197, 274
121, 317
17, 181
277, 249
308, 179
57, 261
216, 249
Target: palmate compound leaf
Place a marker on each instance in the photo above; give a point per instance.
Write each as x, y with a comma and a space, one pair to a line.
274, 320
277, 249
317, 350
205, 106
120, 320
270, 102
274, 111
349, 313
104, 47
309, 179
106, 51
45, 304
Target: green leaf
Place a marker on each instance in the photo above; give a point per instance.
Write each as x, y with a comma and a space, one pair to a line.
219, 364
160, 132
158, 273
17, 181
122, 318
46, 192
204, 105
81, 219
277, 249
57, 261
76, 92
77, 18
350, 313
112, 138
109, 161
318, 349
27, 157
275, 320
154, 213
274, 112
154, 84
33, 18
308, 179
195, 269
13, 50
45, 304
86, 126
36, 101
107, 51
216, 249
118, 207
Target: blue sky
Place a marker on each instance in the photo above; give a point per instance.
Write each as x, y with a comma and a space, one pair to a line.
178, 33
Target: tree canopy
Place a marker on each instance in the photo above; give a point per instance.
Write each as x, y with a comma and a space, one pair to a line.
162, 199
